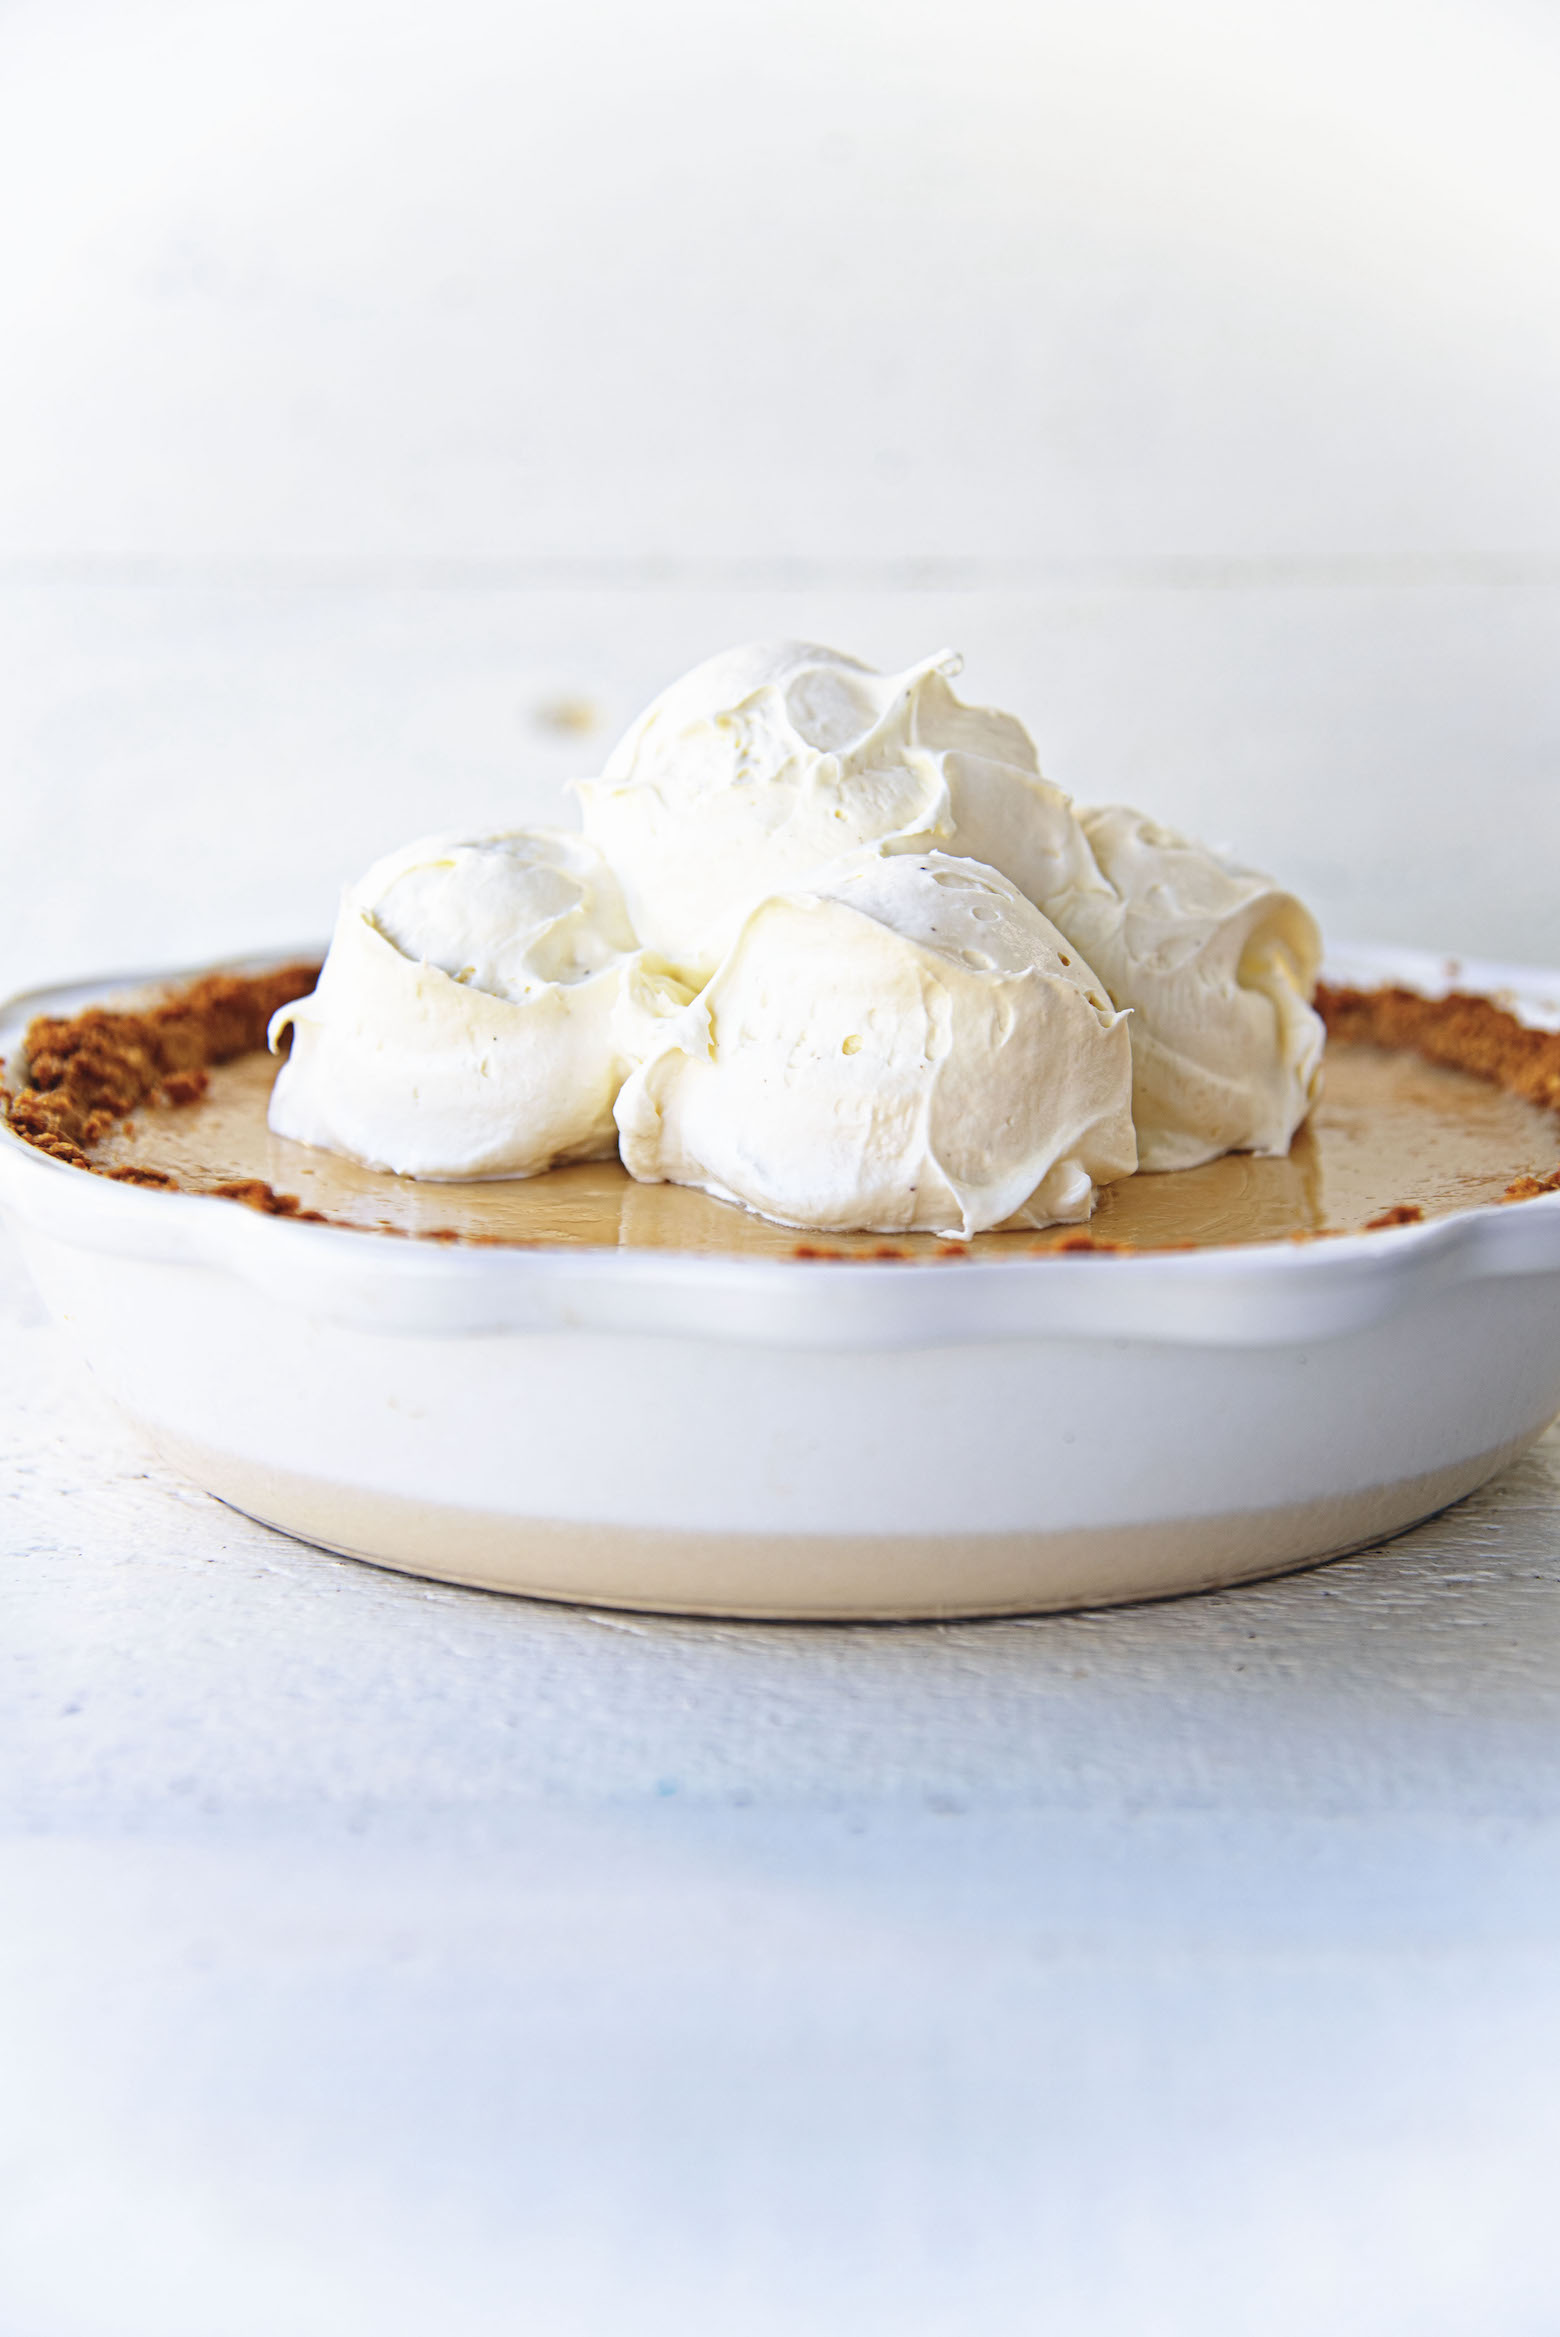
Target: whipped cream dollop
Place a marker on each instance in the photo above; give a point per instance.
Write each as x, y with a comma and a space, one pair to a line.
481, 1004
772, 759
904, 1042
1218, 965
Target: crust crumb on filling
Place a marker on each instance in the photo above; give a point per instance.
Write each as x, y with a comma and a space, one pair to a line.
85, 1072
1529, 1188
255, 1193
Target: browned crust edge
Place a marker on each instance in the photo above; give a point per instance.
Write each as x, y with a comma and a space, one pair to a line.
86, 1071
1464, 1031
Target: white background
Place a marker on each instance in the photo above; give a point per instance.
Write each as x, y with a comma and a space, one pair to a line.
383, 382
870, 283
391, 398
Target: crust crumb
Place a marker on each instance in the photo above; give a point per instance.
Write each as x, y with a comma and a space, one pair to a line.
1529, 1188
255, 1193
1401, 1213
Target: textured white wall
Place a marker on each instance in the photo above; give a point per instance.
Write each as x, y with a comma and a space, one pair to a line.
378, 376
839, 279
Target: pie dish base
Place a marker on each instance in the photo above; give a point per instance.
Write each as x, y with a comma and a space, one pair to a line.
822, 1577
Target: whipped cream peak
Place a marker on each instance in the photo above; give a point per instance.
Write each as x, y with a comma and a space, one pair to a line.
508, 913
775, 758
480, 1006
904, 1043
812, 699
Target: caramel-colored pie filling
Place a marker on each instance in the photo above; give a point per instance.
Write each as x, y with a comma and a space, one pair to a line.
1458, 1106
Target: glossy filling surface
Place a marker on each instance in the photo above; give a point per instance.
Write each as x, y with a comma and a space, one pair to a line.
1392, 1130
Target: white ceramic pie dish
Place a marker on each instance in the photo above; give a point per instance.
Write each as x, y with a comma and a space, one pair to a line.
810, 1438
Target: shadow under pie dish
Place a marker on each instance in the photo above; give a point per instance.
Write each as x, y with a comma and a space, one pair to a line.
582, 1387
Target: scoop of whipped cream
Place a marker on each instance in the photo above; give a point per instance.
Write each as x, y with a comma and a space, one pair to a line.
1218, 966
482, 1002
905, 1042
770, 760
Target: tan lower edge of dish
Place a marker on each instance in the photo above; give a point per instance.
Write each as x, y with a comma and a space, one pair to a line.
823, 1577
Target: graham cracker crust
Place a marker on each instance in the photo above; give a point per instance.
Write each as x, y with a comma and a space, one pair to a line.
1463, 1031
86, 1071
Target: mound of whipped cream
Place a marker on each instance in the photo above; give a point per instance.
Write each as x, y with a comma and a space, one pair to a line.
903, 1042
480, 1007
830, 947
